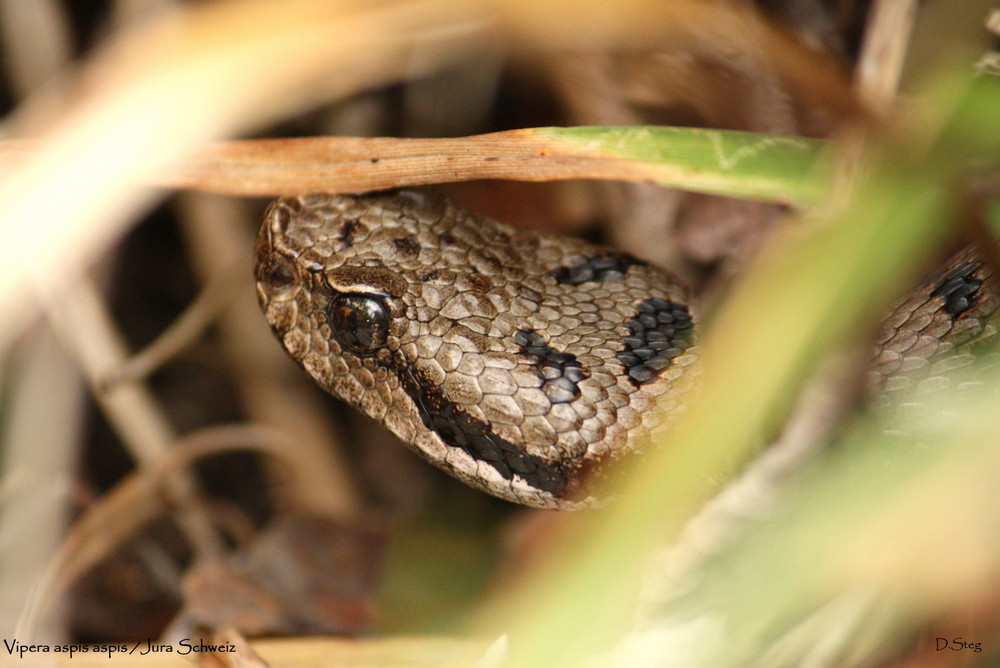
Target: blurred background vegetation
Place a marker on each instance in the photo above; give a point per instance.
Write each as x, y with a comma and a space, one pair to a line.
165, 471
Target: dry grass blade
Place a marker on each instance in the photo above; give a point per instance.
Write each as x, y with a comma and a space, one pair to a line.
154, 93
42, 391
697, 26
83, 323
132, 503
36, 42
158, 91
43, 407
691, 159
883, 53
349, 164
192, 323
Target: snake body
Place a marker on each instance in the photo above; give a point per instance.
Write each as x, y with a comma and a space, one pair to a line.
935, 329
521, 363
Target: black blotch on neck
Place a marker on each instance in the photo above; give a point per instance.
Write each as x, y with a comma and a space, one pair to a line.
660, 331
457, 429
560, 372
407, 246
600, 268
345, 235
959, 288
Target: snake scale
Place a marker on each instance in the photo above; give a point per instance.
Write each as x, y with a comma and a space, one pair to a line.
521, 363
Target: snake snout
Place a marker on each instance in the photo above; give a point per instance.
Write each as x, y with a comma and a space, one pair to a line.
275, 269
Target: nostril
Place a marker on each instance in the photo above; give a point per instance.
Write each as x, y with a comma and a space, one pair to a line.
278, 272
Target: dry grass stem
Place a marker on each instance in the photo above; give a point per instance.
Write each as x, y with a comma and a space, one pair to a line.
86, 328
217, 295
134, 501
352, 164
273, 167
43, 416
272, 391
876, 83
35, 41
883, 52
152, 94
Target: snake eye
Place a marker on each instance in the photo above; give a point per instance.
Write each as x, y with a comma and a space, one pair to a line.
360, 322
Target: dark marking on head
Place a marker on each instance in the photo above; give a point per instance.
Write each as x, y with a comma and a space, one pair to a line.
427, 276
492, 259
660, 331
531, 295
479, 283
407, 246
959, 288
345, 235
560, 372
605, 267
446, 239
460, 430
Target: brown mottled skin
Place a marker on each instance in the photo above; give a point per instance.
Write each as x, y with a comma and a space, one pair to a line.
935, 329
521, 363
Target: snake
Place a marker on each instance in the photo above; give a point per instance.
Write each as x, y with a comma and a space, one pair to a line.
525, 364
